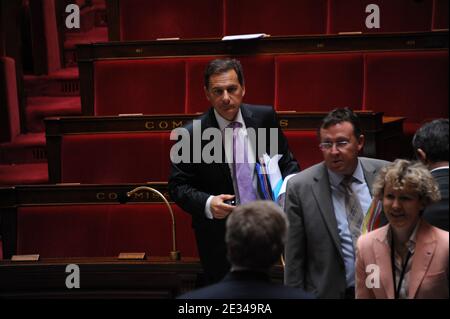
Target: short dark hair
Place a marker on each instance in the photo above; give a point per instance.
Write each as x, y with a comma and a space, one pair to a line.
340, 115
432, 138
219, 66
255, 234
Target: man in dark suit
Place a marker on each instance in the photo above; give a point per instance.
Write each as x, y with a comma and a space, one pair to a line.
430, 144
320, 255
200, 186
255, 238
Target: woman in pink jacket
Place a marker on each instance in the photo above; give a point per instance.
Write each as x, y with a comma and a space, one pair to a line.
408, 258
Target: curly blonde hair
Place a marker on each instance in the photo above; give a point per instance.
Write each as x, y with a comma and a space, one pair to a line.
403, 174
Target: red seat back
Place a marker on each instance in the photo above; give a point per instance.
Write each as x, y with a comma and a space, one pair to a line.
318, 82
149, 20
395, 16
9, 104
115, 158
102, 230
411, 84
281, 17
148, 86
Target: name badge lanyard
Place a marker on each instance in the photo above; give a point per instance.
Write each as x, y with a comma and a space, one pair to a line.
402, 274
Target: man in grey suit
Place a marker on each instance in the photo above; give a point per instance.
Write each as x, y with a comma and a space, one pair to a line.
430, 144
320, 256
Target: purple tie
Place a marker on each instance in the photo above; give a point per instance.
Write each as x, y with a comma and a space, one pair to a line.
242, 171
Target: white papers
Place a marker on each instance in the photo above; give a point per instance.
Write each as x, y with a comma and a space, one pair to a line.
245, 36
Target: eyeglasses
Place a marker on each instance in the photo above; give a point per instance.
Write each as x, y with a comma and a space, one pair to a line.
329, 145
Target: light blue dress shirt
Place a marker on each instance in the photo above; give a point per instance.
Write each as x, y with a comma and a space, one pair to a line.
361, 190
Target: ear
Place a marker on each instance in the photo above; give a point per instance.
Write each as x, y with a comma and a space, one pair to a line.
243, 90
421, 155
361, 141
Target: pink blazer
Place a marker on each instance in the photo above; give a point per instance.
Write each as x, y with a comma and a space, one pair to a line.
429, 273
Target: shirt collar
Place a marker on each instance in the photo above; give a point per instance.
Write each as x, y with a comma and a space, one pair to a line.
336, 179
223, 123
411, 243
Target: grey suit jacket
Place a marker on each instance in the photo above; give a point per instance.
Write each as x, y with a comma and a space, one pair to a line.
314, 259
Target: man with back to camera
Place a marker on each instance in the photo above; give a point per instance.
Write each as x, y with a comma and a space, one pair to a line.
325, 205
255, 238
430, 145
201, 189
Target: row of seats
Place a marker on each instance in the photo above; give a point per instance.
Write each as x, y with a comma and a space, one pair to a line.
99, 150
411, 84
149, 20
88, 221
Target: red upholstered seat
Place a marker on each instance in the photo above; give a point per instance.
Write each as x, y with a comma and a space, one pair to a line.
9, 105
259, 81
102, 230
304, 145
26, 174
38, 108
26, 148
148, 86
115, 158
16, 147
410, 84
149, 20
318, 82
395, 16
195, 95
281, 17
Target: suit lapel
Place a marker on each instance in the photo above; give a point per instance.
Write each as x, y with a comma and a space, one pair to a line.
383, 260
321, 191
369, 174
425, 248
211, 121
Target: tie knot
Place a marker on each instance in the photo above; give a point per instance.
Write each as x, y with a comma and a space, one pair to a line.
347, 181
235, 125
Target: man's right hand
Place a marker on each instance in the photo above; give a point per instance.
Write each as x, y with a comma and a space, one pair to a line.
219, 209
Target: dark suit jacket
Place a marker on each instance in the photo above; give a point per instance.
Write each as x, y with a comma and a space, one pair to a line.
247, 285
190, 184
314, 259
437, 213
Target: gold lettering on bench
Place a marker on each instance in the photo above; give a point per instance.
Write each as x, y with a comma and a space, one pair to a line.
177, 124
163, 125
284, 123
103, 196
150, 125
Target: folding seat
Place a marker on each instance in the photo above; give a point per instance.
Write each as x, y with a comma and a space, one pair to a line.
318, 82
277, 18
149, 20
395, 16
148, 86
409, 84
115, 157
102, 230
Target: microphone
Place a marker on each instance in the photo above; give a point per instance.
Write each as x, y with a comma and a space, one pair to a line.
125, 197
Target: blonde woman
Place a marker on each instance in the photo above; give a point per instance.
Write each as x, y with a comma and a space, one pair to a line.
408, 258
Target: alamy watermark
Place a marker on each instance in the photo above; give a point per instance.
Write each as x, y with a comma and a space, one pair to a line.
212, 151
